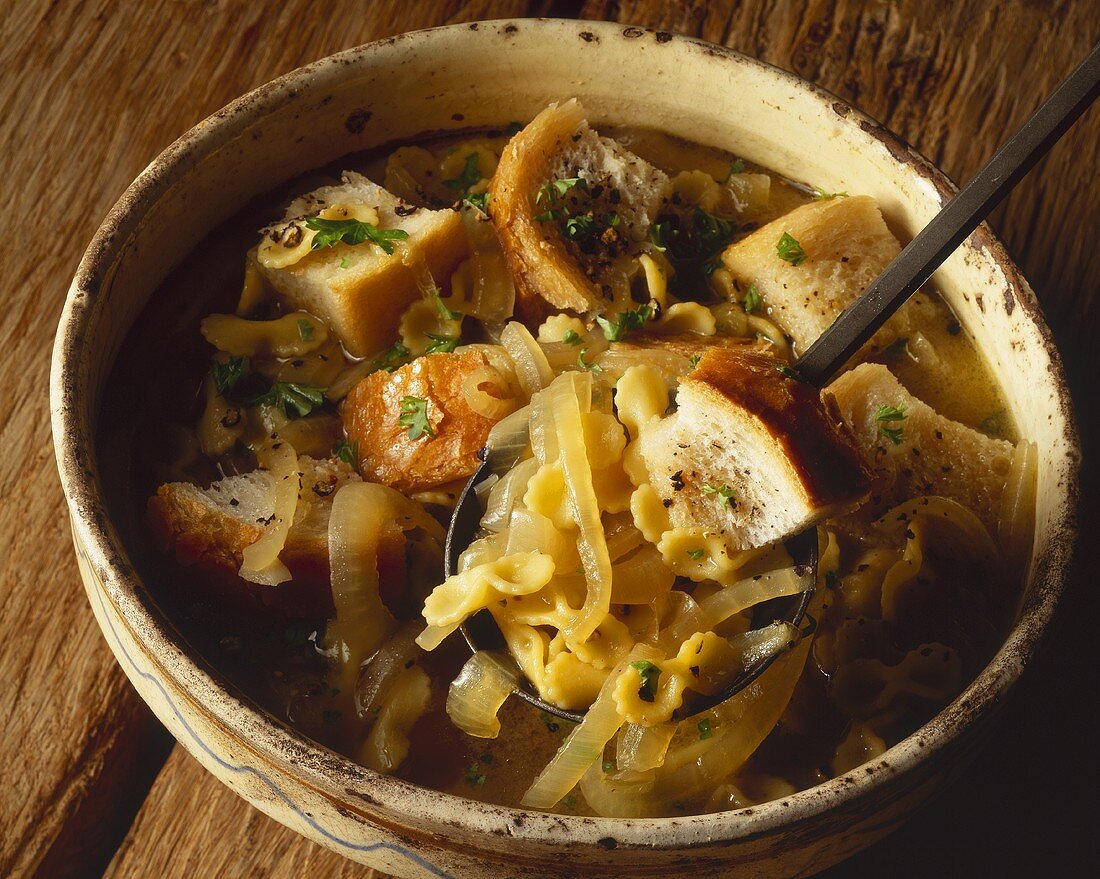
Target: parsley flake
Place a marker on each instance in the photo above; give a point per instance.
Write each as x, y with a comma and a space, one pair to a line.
821, 195
391, 358
789, 250
226, 375
722, 492
695, 358
305, 330
296, 400
442, 344
332, 232
470, 175
414, 416
590, 367
625, 322
649, 673
347, 452
479, 200
441, 306
705, 732
696, 554
550, 192
786, 371
571, 337
887, 415
753, 301
474, 776
608, 766
832, 579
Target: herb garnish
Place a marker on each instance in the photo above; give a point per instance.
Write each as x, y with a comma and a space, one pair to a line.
705, 732
723, 492
623, 323
649, 673
551, 722
347, 452
470, 175
226, 375
414, 416
513, 128
695, 358
608, 766
390, 358
474, 775
788, 249
821, 195
441, 306
886, 415
590, 367
696, 554
442, 344
298, 632
332, 232
571, 337
305, 330
738, 167
752, 300
479, 200
296, 400
832, 579
786, 371
550, 192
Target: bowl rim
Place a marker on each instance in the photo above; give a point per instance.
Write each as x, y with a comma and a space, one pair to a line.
332, 774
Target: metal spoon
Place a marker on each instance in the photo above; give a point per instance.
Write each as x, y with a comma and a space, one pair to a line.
826, 356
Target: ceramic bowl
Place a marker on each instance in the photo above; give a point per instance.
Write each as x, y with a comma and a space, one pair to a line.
482, 75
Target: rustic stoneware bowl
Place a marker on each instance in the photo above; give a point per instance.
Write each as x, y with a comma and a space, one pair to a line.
481, 75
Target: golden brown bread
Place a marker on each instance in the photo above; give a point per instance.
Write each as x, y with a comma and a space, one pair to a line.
558, 143
387, 453
751, 453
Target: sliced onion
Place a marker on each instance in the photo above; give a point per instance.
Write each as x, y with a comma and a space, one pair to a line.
640, 577
508, 440
387, 746
505, 494
532, 368
379, 673
261, 560
1016, 520
475, 696
481, 401
641, 748
584, 745
492, 295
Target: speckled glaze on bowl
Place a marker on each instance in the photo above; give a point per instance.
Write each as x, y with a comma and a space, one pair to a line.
481, 75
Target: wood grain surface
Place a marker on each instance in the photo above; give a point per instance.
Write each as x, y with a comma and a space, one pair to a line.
90, 92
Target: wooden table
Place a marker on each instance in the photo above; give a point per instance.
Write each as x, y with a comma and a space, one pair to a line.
90, 92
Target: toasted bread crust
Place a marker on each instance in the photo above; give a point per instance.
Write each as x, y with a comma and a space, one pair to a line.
816, 443
386, 452
546, 278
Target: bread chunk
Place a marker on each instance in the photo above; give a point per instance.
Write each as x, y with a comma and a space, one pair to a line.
359, 290
846, 245
750, 453
387, 452
552, 272
933, 456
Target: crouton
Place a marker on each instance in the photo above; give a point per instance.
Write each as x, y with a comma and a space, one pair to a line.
212, 527
551, 271
751, 453
387, 450
923, 453
845, 245
359, 290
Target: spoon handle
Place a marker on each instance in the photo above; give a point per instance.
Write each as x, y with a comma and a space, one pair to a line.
927, 251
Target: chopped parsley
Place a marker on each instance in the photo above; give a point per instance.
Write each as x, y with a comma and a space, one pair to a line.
305, 330
786, 371
623, 323
442, 344
696, 554
550, 721
752, 302
344, 263
695, 358
414, 416
347, 452
513, 128
713, 233
722, 492
590, 367
584, 226
550, 192
571, 337
832, 579
608, 766
649, 673
821, 195
296, 401
470, 175
705, 732
298, 632
738, 167
474, 776
332, 232
887, 415
226, 375
479, 200
441, 306
391, 358
789, 250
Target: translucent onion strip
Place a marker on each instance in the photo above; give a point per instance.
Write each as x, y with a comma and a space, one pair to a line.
481, 401
1016, 521
641, 748
532, 368
261, 560
387, 746
585, 744
475, 696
